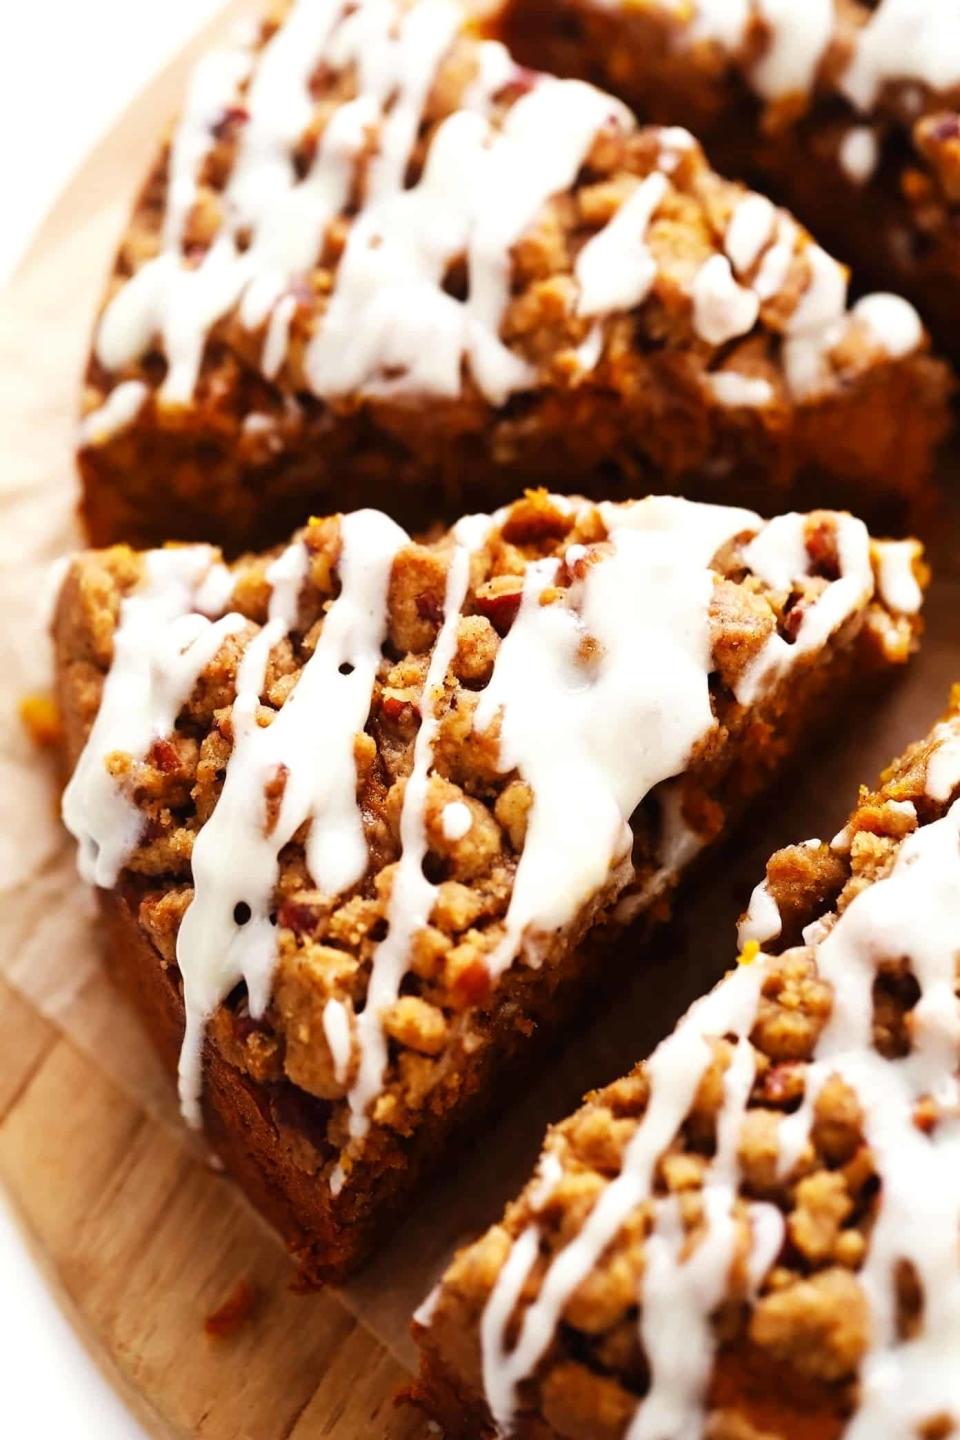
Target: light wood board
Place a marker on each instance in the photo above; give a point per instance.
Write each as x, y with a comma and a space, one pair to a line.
140, 1238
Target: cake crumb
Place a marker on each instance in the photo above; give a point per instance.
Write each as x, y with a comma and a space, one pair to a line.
40, 717
749, 953
235, 1312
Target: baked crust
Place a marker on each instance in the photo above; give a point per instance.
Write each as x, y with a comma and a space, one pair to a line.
240, 457
277, 1102
789, 1348
890, 211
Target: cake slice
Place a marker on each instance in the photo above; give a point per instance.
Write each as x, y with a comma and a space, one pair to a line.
365, 813
755, 1233
848, 113
377, 248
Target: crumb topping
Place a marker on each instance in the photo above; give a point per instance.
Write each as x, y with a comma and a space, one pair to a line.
372, 150
777, 1185
275, 750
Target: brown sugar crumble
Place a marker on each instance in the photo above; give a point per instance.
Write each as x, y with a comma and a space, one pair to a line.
784, 1346
657, 367
280, 1079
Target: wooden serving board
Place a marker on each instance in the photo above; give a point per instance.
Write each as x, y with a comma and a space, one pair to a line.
141, 1239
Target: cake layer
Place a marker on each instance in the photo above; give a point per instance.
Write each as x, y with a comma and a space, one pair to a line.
753, 1236
365, 813
377, 252
847, 113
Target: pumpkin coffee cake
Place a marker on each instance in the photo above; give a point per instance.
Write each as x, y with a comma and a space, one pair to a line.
846, 112
364, 813
753, 1236
378, 255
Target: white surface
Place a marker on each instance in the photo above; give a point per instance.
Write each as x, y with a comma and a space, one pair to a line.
50, 1385
66, 70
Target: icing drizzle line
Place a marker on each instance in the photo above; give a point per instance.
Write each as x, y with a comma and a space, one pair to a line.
578, 720
390, 326
900, 40
228, 931
412, 896
911, 913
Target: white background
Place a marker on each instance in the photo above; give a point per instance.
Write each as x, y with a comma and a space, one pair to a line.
67, 68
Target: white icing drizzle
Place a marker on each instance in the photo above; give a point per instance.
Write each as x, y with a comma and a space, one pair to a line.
590, 349
164, 297
479, 193
675, 142
160, 647
679, 844
278, 335
120, 408
615, 269
892, 321
722, 309
943, 769
228, 932
779, 556
425, 1311
817, 322
750, 392
904, 40
592, 727
592, 745
456, 820
749, 230
412, 895
905, 1384
390, 326
336, 1031
896, 581
679, 1295
769, 1230
763, 239
800, 31
762, 921
775, 265
724, 21
674, 1070
549, 1175
912, 913
859, 153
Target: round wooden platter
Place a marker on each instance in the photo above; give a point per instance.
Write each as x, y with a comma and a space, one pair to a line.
140, 1238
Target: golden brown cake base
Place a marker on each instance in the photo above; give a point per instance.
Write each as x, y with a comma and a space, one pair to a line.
867, 445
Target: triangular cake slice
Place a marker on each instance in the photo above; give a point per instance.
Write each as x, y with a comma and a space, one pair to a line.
376, 247
366, 811
847, 113
755, 1233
